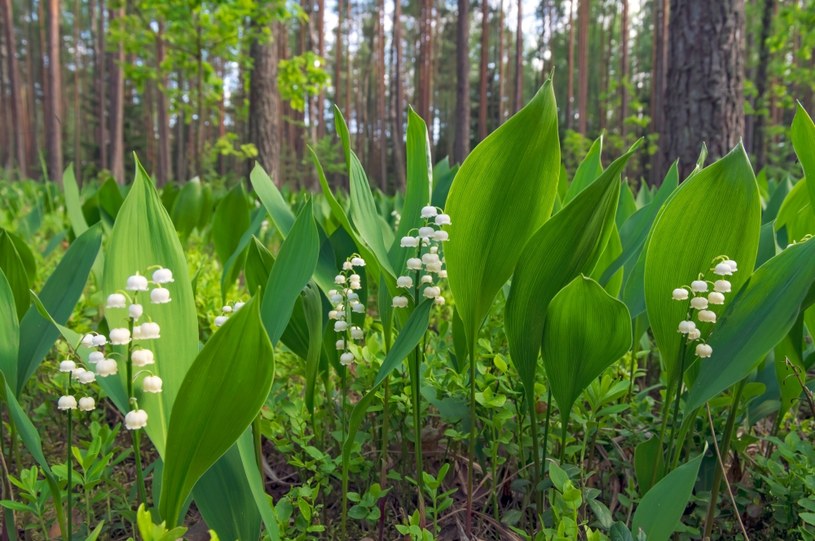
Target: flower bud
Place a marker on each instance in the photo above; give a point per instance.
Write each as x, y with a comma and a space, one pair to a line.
703, 351
680, 294
67, 402
135, 419
161, 295
87, 403
142, 357
120, 336
116, 300
152, 384
137, 282
163, 276
67, 366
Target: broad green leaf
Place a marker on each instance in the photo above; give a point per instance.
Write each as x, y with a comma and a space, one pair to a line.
803, 140
647, 460
187, 207
259, 263
217, 401
796, 215
568, 244
755, 320
419, 175
230, 221
110, 198
12, 266
59, 295
577, 349
612, 251
312, 313
262, 500
442, 181
502, 194
26, 255
589, 169
143, 237
232, 267
272, 199
660, 511
73, 204
9, 331
291, 272
715, 212
789, 348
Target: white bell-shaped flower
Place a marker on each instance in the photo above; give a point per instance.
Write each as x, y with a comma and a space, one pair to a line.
734, 267
66, 402
137, 282
439, 300
220, 320
226, 309
431, 292
694, 334
106, 367
99, 340
686, 326
135, 311
404, 281
680, 294
698, 286
430, 258
135, 419
67, 366
340, 344
238, 305
703, 351
142, 357
120, 336
346, 358
339, 279
441, 236
87, 340
150, 330
85, 377
707, 316
340, 326
443, 219
399, 302
87, 403
357, 307
699, 303
161, 295
715, 297
442, 273
356, 333
722, 286
151, 384
346, 265
429, 211
434, 266
426, 232
163, 276
723, 269
414, 263
116, 300
409, 242
357, 262
95, 356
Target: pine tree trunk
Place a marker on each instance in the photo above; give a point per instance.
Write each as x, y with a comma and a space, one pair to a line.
17, 125
264, 104
519, 60
425, 60
704, 94
381, 97
501, 64
54, 121
100, 84
584, 12
623, 68
338, 56
163, 171
483, 130
319, 112
117, 97
570, 70
77, 135
759, 105
462, 138
659, 72
398, 96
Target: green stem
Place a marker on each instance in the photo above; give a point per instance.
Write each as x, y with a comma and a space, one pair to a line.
724, 449
471, 445
536, 473
417, 432
633, 367
564, 426
680, 382
135, 436
546, 429
69, 460
258, 444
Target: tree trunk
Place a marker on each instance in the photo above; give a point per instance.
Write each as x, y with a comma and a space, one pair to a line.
705, 77
425, 60
181, 135
759, 104
163, 170
519, 60
623, 68
483, 130
100, 83
117, 97
584, 12
381, 96
659, 71
501, 64
53, 123
17, 124
462, 138
570, 70
398, 96
338, 56
319, 112
264, 104
198, 148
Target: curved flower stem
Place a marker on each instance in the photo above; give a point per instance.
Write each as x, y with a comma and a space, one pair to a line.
471, 445
69, 462
680, 382
135, 436
536, 474
725, 448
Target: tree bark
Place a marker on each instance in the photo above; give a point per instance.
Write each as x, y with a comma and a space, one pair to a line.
461, 146
500, 61
519, 60
17, 125
338, 56
623, 68
381, 96
584, 11
264, 104
759, 104
117, 97
483, 130
659, 71
53, 122
425, 60
705, 79
398, 96
163, 116
570, 70
78, 162
319, 112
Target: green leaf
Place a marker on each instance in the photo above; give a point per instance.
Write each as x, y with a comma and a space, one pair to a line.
258, 265
755, 320
59, 295
803, 140
262, 500
9, 331
796, 214
291, 272
233, 265
217, 401
272, 199
143, 236
715, 212
502, 194
230, 221
789, 348
187, 207
589, 169
12, 266
568, 244
577, 349
312, 309
73, 203
408, 339
647, 460
419, 175
660, 511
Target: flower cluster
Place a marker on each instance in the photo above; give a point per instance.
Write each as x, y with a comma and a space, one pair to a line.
428, 264
703, 295
226, 311
345, 302
105, 363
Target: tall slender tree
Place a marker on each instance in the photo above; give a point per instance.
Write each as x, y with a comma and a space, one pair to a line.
53, 123
398, 97
264, 103
13, 69
659, 74
162, 112
623, 67
482, 70
117, 99
570, 69
759, 104
519, 59
461, 145
584, 12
